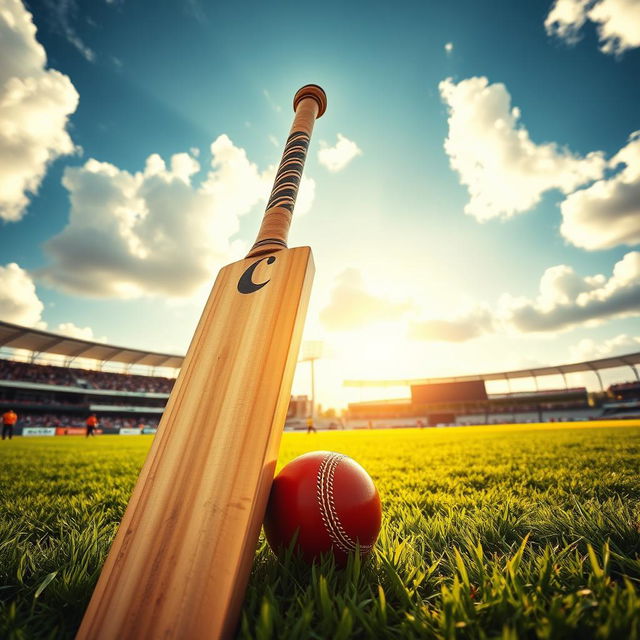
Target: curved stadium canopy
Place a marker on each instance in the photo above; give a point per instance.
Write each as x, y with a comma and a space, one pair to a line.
14, 336
631, 360
17, 337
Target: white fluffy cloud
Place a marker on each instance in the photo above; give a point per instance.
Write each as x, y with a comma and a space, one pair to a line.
618, 22
589, 349
155, 232
352, 306
506, 173
566, 18
466, 326
607, 213
35, 105
82, 333
567, 299
340, 155
19, 302
504, 170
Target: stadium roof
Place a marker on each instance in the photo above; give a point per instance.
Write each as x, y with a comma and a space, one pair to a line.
629, 360
16, 337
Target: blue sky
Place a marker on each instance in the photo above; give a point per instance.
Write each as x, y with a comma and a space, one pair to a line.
451, 233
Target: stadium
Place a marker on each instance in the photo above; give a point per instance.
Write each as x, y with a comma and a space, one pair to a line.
57, 399
464, 401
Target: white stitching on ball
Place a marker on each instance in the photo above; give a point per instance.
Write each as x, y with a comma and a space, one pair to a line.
326, 501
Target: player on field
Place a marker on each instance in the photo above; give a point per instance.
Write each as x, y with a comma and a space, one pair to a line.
310, 426
9, 419
92, 423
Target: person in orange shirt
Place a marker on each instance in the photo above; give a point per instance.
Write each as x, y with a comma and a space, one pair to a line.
9, 419
92, 423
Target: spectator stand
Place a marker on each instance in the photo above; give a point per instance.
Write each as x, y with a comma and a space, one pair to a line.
61, 396
464, 400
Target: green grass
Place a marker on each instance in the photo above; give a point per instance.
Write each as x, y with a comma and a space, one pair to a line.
488, 532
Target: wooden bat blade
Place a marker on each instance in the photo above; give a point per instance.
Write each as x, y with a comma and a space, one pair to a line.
180, 560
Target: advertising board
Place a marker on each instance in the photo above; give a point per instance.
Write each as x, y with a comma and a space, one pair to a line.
39, 431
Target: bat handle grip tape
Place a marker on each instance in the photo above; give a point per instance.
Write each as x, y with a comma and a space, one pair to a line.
309, 103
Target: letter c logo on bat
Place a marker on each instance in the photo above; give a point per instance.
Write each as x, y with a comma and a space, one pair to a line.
246, 283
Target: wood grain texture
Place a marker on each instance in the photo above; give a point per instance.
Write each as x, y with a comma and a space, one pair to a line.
181, 558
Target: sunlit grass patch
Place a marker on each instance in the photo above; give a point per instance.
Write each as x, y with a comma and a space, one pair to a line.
521, 531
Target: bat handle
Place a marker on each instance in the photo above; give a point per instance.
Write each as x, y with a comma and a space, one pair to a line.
309, 103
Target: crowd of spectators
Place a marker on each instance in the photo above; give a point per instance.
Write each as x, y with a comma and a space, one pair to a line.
28, 401
542, 406
626, 391
84, 378
79, 420
21, 399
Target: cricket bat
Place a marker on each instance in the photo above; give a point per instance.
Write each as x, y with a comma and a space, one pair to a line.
180, 562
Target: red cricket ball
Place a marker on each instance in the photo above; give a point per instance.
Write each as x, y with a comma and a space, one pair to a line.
330, 500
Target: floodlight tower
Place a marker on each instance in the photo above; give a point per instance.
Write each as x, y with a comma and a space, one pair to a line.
312, 351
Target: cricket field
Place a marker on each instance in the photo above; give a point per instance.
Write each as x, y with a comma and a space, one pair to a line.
517, 531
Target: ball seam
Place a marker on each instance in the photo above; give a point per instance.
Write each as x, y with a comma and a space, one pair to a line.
328, 510
326, 501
